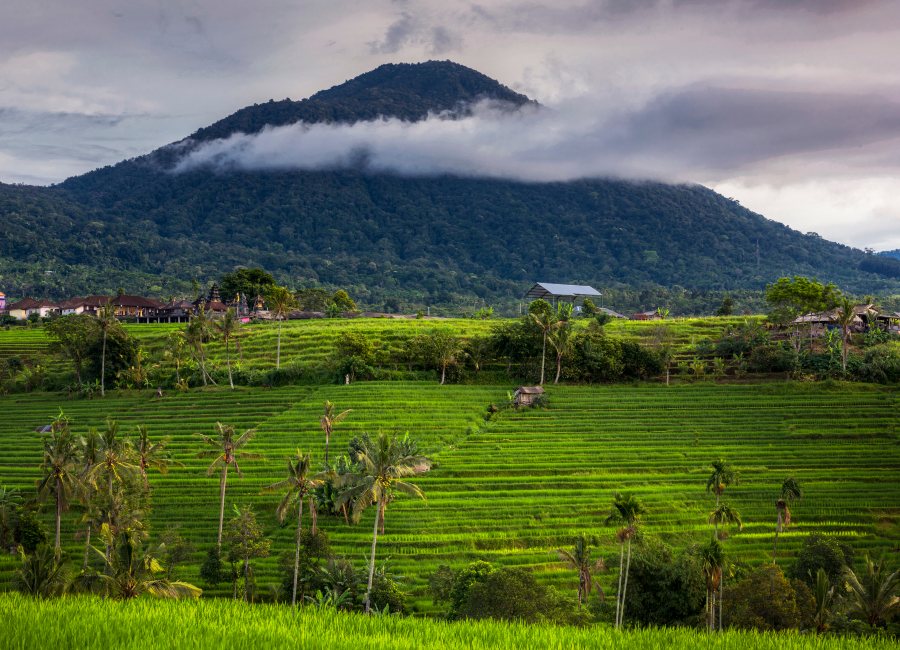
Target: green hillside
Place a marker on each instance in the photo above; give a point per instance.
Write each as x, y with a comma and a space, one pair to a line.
82, 622
424, 240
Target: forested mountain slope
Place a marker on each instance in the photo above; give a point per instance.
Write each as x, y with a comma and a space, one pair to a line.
425, 240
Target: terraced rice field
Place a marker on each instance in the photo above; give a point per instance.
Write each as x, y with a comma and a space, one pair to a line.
514, 489
154, 624
308, 343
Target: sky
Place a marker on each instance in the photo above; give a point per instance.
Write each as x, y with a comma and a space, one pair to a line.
791, 107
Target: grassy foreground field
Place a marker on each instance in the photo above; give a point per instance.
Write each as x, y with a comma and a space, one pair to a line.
83, 622
514, 489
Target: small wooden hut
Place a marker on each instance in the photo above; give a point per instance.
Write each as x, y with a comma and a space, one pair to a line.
526, 395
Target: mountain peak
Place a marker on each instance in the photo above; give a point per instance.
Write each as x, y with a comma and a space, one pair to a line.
408, 91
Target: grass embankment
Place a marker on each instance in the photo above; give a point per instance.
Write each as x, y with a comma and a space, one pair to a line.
85, 622
514, 489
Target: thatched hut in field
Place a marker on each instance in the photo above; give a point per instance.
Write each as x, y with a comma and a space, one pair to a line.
527, 395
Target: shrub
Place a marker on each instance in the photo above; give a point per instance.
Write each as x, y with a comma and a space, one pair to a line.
821, 552
664, 589
514, 595
767, 600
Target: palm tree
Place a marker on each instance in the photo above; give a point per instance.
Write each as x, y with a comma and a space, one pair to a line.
823, 592
383, 463
42, 573
90, 455
561, 340
579, 558
60, 478
152, 454
724, 515
627, 510
116, 466
298, 486
873, 596
197, 333
712, 557
226, 452
106, 320
544, 318
228, 327
790, 490
328, 420
132, 571
722, 476
281, 301
845, 316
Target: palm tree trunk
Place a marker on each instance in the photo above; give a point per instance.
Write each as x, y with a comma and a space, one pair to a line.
297, 552
228, 363
327, 440
246, 580
443, 373
58, 514
222, 503
314, 513
103, 367
621, 575
278, 352
625, 585
558, 368
775, 544
87, 546
721, 595
372, 561
543, 357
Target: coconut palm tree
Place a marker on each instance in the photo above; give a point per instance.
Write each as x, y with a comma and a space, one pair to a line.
627, 510
133, 571
328, 420
198, 332
226, 451
579, 558
106, 320
90, 456
845, 316
873, 596
298, 485
790, 490
281, 301
115, 467
383, 464
542, 315
59, 470
724, 515
152, 454
227, 328
712, 558
823, 592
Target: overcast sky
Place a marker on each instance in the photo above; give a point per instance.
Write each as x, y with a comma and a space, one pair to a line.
790, 106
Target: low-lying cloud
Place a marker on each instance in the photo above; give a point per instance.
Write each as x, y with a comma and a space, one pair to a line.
698, 133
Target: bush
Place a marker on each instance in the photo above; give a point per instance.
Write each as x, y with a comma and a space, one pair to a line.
767, 600
880, 364
212, 571
514, 595
29, 532
772, 358
821, 552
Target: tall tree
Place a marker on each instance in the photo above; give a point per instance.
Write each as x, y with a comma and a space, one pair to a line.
724, 515
225, 452
90, 456
580, 558
561, 339
712, 557
280, 301
845, 316
197, 333
72, 337
541, 314
227, 328
246, 541
443, 348
115, 467
383, 463
722, 476
626, 512
152, 454
328, 420
297, 486
59, 470
106, 320
790, 490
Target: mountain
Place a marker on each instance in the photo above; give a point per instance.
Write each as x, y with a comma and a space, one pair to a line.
422, 240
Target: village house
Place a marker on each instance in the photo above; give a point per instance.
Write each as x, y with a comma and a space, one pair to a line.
26, 307
817, 324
